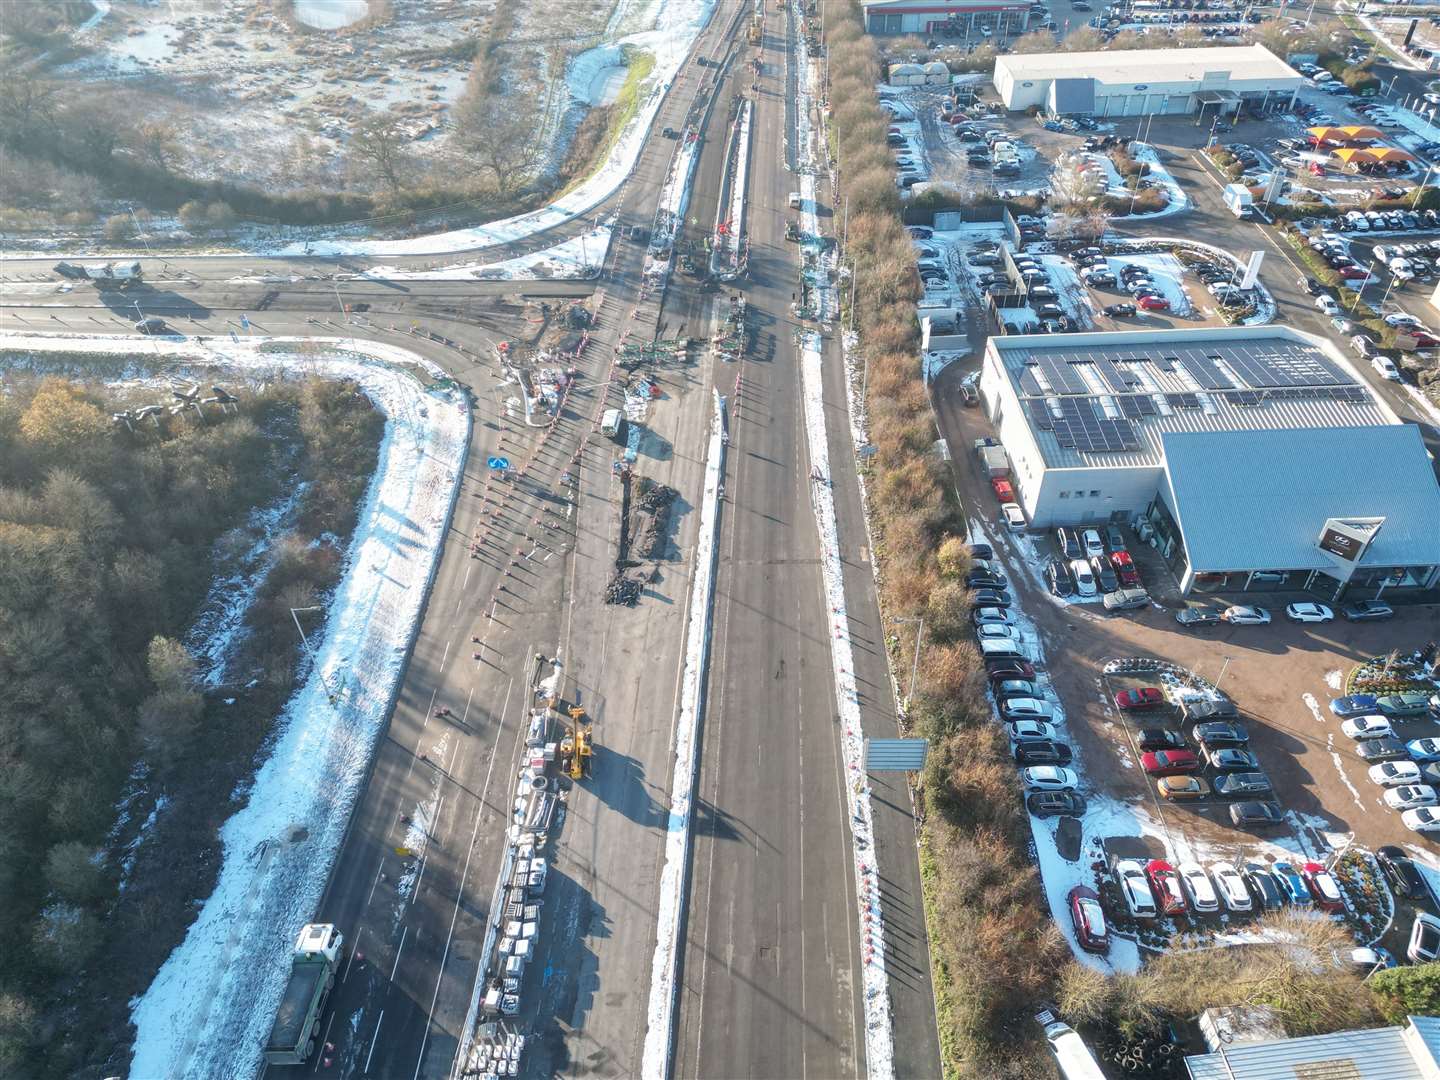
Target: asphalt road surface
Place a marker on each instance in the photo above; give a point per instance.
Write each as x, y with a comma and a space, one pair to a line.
770, 980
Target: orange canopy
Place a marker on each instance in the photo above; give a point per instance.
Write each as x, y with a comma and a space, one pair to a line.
1390, 153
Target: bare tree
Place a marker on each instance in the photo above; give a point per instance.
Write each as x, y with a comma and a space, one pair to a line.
377, 144
1077, 200
156, 142
500, 139
27, 106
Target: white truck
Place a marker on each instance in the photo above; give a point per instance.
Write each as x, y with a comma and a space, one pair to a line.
312, 975
1239, 200
110, 273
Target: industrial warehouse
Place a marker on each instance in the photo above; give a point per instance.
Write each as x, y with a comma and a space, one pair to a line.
1251, 458
1141, 82
947, 18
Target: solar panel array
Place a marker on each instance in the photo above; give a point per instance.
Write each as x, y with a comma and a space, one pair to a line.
1065, 400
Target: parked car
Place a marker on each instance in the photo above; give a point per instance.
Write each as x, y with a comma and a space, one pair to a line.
1031, 731
996, 632
1231, 887
1264, 888
1231, 759
1307, 612
1104, 577
1059, 579
1182, 788
1322, 888
1049, 778
1090, 539
1027, 709
1120, 311
1154, 303
1135, 890
984, 616
1088, 919
1355, 705
1423, 819
1198, 617
1045, 804
1124, 568
1199, 889
996, 598
1003, 489
1042, 752
1243, 785
1009, 667
1125, 599
1068, 543
1367, 610
1372, 750
152, 325
1367, 727
1143, 697
1395, 773
1424, 939
1245, 615
1160, 739
1411, 796
1215, 734
1165, 884
1405, 704
1422, 750
1084, 579
1169, 762
1214, 706
1013, 517
1292, 885
1404, 877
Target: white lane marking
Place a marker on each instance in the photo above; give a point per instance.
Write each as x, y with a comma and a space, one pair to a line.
324, 1039
445, 656
375, 1041
398, 951
378, 868
353, 950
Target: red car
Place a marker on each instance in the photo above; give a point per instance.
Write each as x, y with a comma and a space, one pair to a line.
1351, 273
1089, 920
1170, 762
1124, 568
1153, 303
1323, 889
1165, 884
1003, 491
1146, 697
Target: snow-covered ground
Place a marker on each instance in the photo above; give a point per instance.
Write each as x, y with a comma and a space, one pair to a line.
210, 1007
1179, 201
579, 257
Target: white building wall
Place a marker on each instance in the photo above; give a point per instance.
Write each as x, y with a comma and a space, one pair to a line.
1091, 495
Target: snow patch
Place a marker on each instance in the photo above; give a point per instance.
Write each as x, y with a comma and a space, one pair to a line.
580, 256
1335, 679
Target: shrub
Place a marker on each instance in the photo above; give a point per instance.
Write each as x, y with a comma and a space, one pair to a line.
1407, 991
119, 227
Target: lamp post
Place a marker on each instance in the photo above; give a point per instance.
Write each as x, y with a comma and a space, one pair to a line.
1420, 187
1361, 287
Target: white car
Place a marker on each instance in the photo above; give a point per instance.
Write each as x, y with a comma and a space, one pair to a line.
1084, 578
1424, 938
1231, 887
1198, 888
1327, 304
1246, 615
1367, 727
1400, 318
1423, 819
1411, 797
1030, 730
1395, 773
1049, 778
1308, 612
1139, 900
1093, 544
1026, 708
1013, 516
995, 632
1385, 368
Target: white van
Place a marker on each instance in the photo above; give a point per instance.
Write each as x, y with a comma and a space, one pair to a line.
794, 200
612, 423
1071, 1054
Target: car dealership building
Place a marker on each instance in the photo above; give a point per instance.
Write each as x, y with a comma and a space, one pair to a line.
1251, 458
1141, 82
946, 18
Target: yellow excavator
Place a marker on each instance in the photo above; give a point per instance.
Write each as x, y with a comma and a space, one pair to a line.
577, 748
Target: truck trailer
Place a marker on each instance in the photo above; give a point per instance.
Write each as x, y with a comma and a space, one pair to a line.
312, 975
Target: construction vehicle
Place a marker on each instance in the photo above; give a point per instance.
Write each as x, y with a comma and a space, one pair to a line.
109, 273
792, 231
312, 975
577, 748
756, 27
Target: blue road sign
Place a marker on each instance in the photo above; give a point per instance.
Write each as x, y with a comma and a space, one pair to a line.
498, 462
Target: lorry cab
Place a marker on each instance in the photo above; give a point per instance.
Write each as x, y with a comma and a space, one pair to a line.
794, 200
612, 423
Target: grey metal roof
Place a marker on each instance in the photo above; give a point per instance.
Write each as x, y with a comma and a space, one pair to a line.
1257, 500
1286, 380
1372, 1054
1423, 1035
1165, 67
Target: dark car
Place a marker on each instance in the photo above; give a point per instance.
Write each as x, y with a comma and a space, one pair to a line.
1105, 578
1243, 785
1000, 670
1404, 876
1256, 815
1216, 734
1013, 688
1258, 879
1367, 610
981, 579
1198, 617
1068, 541
1384, 749
1045, 804
1209, 708
1088, 919
990, 598
1058, 578
152, 325
981, 551
1160, 739
1313, 287
1042, 752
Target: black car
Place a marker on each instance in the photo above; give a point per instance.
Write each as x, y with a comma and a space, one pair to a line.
1104, 577
1160, 739
152, 325
1242, 785
1059, 579
981, 551
1120, 311
1262, 884
1216, 734
1403, 875
1045, 804
991, 598
982, 580
1366, 611
1373, 751
1198, 617
1256, 815
1068, 541
1313, 287
1042, 752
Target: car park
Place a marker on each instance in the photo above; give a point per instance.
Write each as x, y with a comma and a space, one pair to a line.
1322, 887
1049, 778
1042, 752
1307, 612
1182, 788
1373, 750
1230, 887
1218, 734
1199, 889
1367, 727
1395, 773
1088, 919
1243, 785
1246, 615
1143, 697
1424, 945
1423, 819
1165, 885
1292, 885
1403, 876
1169, 762
1046, 804
1135, 890
1355, 705
1411, 797
1231, 759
